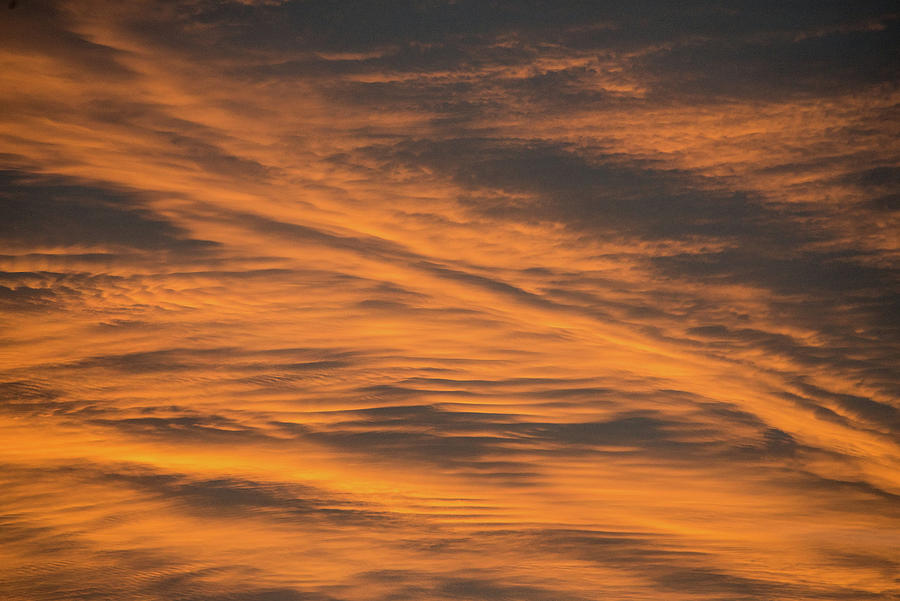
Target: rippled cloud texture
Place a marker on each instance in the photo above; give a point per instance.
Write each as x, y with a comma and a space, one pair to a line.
474, 300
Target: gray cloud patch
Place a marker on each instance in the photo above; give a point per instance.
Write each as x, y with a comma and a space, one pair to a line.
602, 195
778, 66
43, 211
236, 498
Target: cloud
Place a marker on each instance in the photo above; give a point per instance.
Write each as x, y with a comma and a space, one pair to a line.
794, 63
53, 212
43, 28
536, 180
338, 301
241, 499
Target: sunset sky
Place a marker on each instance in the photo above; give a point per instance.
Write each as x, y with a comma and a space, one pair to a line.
473, 300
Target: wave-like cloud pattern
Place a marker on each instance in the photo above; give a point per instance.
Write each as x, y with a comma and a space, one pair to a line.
333, 301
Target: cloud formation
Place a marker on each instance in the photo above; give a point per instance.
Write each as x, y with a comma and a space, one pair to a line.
305, 300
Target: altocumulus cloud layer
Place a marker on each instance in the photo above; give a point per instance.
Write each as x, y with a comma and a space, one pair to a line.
338, 301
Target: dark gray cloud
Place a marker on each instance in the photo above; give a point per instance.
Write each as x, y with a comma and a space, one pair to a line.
732, 47
37, 211
608, 194
26, 298
777, 64
185, 429
878, 186
881, 415
236, 498
482, 443
820, 272
222, 358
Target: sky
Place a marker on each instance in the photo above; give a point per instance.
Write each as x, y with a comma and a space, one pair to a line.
449, 300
